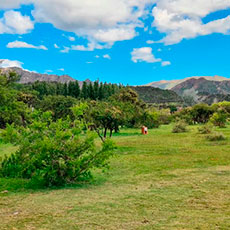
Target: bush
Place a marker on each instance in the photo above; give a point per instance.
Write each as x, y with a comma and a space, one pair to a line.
180, 127
150, 119
219, 119
205, 129
165, 116
216, 136
53, 153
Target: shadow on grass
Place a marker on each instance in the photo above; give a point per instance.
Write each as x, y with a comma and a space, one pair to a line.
126, 134
15, 185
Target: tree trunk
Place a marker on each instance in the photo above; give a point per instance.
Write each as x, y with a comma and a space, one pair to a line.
105, 133
111, 132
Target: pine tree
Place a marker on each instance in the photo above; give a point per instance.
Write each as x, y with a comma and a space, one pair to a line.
77, 90
91, 91
84, 90
96, 90
101, 92
71, 89
65, 89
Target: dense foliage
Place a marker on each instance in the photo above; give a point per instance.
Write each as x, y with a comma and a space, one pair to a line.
12, 109
89, 90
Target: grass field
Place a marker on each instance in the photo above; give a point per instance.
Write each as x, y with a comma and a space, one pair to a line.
158, 181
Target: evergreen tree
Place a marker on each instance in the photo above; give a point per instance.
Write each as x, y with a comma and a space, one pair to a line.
96, 90
84, 90
65, 89
77, 90
71, 89
91, 91
101, 92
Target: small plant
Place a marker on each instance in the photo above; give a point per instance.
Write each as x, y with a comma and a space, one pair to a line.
205, 129
216, 136
180, 127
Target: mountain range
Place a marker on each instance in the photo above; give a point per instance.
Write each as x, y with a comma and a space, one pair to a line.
207, 89
172, 83
30, 77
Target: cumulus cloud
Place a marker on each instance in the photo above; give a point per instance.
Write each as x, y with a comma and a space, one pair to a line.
104, 22
182, 19
20, 44
13, 22
6, 63
100, 21
56, 46
144, 54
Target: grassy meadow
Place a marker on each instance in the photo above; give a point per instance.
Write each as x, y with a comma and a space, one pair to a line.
158, 181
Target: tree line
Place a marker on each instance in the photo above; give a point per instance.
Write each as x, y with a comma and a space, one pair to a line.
89, 90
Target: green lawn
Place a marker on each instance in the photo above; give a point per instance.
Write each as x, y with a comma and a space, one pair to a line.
158, 181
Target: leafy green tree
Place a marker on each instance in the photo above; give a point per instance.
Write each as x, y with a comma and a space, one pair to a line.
53, 153
60, 106
11, 109
201, 113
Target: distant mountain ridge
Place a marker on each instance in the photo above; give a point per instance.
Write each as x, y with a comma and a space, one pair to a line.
172, 83
203, 90
30, 77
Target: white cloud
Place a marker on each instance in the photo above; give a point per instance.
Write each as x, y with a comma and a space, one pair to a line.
104, 22
150, 42
182, 19
56, 46
100, 21
90, 47
61, 69
5, 63
159, 50
144, 54
165, 63
20, 44
13, 22
97, 56
106, 56
49, 71
89, 62
72, 39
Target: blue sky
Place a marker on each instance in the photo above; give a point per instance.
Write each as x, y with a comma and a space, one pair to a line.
120, 41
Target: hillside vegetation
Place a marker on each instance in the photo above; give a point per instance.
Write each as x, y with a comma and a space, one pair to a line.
155, 95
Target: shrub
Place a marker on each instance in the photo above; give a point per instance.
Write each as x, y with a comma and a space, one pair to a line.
53, 153
219, 119
150, 119
205, 129
180, 127
216, 136
165, 116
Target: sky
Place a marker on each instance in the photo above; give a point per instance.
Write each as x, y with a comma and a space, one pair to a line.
131, 42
